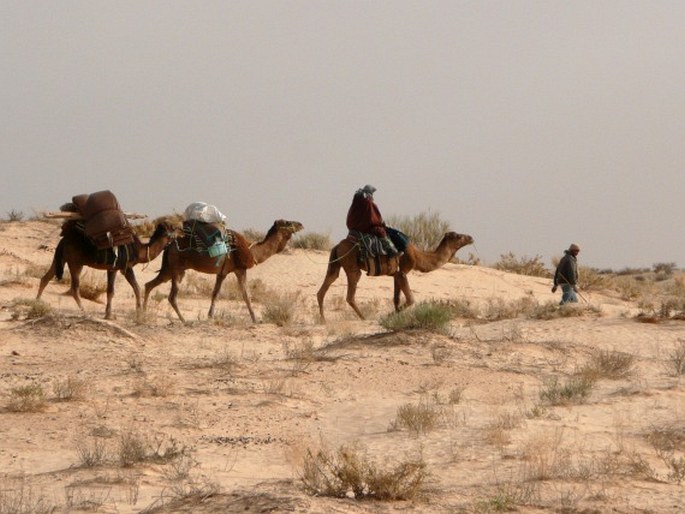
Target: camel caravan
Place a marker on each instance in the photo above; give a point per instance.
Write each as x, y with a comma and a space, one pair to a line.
96, 233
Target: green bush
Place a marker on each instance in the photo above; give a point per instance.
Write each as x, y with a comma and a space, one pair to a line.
433, 316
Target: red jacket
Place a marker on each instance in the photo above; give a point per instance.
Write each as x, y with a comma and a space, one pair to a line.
365, 216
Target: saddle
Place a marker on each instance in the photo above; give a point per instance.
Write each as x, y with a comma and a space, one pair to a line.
104, 223
377, 255
215, 240
115, 257
209, 237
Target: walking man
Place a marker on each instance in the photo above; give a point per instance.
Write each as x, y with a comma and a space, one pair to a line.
566, 275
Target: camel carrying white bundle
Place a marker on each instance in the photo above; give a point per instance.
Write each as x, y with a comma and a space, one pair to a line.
201, 211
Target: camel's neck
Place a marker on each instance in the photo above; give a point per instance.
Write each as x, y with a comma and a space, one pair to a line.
429, 261
270, 246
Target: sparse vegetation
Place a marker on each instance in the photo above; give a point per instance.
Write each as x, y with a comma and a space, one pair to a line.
467, 394
418, 418
28, 398
30, 309
574, 390
15, 215
17, 496
676, 358
70, 389
434, 316
531, 266
311, 241
609, 364
425, 230
281, 309
349, 473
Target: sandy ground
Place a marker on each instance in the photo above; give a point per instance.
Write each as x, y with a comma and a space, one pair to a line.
241, 404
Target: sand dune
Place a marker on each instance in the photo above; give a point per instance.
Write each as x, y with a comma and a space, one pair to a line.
227, 410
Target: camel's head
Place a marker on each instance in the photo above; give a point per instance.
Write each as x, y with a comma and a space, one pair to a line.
165, 228
283, 230
289, 226
456, 241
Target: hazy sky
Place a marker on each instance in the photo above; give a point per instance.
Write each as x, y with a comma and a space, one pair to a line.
527, 124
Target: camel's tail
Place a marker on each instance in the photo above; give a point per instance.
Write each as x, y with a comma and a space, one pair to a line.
59, 260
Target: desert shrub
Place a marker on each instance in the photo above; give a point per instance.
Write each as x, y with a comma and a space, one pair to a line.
462, 309
158, 386
574, 390
667, 305
531, 266
552, 310
28, 398
425, 230
666, 268
15, 215
347, 472
434, 316
676, 358
281, 309
17, 496
667, 441
135, 448
416, 417
69, 389
311, 241
92, 287
499, 309
30, 309
610, 364
34, 270
593, 279
92, 451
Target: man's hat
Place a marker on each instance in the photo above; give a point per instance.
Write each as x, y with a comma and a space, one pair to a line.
574, 248
369, 189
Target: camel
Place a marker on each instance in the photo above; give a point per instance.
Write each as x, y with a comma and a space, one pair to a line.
345, 255
178, 258
77, 251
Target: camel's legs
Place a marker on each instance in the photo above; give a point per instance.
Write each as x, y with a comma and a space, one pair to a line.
401, 285
111, 277
75, 272
131, 279
46, 279
353, 277
241, 275
217, 287
332, 274
162, 276
173, 293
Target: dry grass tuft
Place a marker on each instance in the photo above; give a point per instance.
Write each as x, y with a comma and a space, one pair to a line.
311, 241
348, 472
17, 496
676, 358
29, 398
280, 310
609, 364
418, 418
531, 266
70, 389
574, 390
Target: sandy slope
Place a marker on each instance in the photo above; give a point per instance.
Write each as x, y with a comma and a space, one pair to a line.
248, 401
